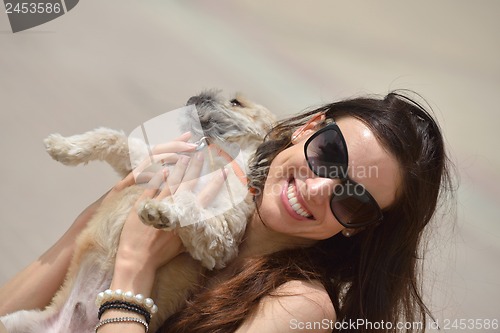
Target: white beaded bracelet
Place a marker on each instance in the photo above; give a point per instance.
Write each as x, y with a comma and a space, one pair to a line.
118, 295
122, 320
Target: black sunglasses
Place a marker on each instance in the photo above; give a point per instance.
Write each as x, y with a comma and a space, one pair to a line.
351, 204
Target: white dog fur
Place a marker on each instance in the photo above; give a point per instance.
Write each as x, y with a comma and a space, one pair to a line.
212, 242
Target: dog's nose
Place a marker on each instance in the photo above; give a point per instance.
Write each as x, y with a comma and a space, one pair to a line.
200, 99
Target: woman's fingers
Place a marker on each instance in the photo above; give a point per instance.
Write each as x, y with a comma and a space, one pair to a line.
179, 144
151, 164
210, 191
183, 176
184, 136
164, 188
176, 176
192, 173
174, 146
153, 185
129, 180
144, 177
165, 153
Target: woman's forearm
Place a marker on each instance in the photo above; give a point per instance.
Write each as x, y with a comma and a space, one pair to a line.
135, 273
34, 286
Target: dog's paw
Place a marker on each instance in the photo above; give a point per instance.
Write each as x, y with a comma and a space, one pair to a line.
148, 212
151, 213
63, 150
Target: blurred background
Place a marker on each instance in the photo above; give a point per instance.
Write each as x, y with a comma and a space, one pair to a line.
118, 63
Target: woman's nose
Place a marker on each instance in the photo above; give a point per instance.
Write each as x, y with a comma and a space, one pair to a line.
318, 189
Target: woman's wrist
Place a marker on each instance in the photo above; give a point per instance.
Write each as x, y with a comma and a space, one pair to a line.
144, 258
130, 276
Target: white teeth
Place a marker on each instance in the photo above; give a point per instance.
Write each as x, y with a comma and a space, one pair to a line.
294, 203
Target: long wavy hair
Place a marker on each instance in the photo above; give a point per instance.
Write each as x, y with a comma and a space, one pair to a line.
373, 275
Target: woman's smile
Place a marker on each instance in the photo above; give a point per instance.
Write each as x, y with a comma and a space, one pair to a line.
294, 202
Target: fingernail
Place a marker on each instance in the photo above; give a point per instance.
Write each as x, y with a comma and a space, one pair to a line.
224, 173
184, 159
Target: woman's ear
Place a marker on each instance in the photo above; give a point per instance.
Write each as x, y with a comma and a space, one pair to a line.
308, 128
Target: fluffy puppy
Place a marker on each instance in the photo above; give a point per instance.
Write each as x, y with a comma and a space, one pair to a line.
230, 132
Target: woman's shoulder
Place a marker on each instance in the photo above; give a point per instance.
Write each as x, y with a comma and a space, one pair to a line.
301, 306
305, 292
305, 298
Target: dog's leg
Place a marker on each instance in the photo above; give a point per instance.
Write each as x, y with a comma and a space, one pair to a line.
178, 210
209, 238
101, 144
214, 242
182, 212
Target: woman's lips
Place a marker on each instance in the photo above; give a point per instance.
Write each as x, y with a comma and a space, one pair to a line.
294, 203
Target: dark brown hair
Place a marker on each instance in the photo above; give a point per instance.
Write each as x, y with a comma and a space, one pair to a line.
373, 275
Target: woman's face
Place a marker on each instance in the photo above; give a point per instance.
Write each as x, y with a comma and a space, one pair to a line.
290, 178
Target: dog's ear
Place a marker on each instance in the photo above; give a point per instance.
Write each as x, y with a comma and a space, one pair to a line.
308, 128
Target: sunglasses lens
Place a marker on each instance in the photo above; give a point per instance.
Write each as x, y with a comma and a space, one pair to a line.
327, 154
353, 206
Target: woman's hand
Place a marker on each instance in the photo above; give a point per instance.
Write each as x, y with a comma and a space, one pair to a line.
142, 249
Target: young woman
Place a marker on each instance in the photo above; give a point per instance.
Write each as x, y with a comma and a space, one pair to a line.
343, 194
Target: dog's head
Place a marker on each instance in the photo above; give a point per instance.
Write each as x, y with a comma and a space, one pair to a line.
230, 120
